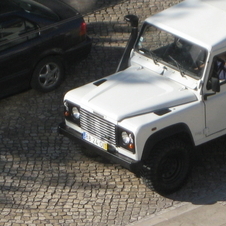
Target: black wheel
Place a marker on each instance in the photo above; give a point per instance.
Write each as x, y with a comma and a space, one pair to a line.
168, 167
88, 153
48, 74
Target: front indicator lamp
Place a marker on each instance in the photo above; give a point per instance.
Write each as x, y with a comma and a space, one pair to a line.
66, 113
131, 146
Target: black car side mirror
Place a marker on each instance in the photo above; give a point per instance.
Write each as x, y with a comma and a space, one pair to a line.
215, 84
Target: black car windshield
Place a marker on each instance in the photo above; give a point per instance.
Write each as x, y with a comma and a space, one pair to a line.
164, 47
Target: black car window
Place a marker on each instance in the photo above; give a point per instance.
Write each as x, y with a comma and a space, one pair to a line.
37, 9
14, 31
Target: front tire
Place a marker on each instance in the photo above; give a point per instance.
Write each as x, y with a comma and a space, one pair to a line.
48, 74
168, 167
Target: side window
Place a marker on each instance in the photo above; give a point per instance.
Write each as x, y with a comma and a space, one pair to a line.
14, 31
219, 67
217, 76
31, 30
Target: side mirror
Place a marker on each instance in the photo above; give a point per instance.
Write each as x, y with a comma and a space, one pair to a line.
215, 84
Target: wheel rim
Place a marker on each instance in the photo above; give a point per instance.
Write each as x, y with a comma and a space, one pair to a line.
171, 169
49, 75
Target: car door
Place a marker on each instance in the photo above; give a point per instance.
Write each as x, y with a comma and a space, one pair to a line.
216, 104
15, 52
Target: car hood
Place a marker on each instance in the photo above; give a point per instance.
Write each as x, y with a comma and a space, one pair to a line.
131, 92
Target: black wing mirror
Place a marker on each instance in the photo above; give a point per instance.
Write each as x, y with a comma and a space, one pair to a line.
214, 85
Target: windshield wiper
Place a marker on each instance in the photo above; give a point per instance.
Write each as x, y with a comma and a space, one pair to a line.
151, 53
179, 66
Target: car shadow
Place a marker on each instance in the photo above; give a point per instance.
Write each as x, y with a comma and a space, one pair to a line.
107, 50
207, 182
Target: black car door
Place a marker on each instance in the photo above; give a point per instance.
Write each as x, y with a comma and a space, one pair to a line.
16, 34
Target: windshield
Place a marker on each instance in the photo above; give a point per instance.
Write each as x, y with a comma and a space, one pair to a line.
161, 46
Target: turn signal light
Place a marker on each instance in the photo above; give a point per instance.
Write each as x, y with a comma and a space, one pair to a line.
66, 113
131, 146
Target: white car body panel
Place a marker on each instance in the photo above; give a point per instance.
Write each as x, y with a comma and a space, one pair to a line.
191, 19
134, 85
131, 98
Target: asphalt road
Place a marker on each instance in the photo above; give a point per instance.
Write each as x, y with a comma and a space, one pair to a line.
46, 180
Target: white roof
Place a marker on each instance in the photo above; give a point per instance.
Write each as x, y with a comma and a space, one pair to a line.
200, 21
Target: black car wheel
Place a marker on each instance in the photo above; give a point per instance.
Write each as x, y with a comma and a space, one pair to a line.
48, 74
168, 167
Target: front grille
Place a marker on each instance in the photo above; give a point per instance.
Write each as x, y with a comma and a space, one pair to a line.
98, 127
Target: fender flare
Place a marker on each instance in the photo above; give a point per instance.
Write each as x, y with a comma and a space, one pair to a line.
176, 130
49, 52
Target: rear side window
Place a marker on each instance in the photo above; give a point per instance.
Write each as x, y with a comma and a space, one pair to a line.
14, 31
37, 9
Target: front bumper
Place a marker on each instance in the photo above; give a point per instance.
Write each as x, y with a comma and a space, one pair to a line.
130, 164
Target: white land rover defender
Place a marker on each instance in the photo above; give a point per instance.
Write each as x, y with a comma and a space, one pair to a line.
167, 96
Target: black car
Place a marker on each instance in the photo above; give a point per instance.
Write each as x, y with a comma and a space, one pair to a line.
37, 39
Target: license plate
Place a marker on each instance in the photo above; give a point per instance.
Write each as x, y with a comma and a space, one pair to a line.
86, 136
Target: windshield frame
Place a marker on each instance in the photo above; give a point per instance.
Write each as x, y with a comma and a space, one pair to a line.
193, 68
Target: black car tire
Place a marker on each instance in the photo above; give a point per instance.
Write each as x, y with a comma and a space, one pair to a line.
48, 74
168, 167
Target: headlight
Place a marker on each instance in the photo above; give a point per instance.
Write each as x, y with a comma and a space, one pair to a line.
72, 112
126, 137
126, 140
75, 112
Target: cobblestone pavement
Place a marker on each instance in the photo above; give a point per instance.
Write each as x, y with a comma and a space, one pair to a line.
46, 180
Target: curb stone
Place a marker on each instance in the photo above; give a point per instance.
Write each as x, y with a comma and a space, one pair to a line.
174, 215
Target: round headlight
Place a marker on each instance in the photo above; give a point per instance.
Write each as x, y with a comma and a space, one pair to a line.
125, 137
75, 112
